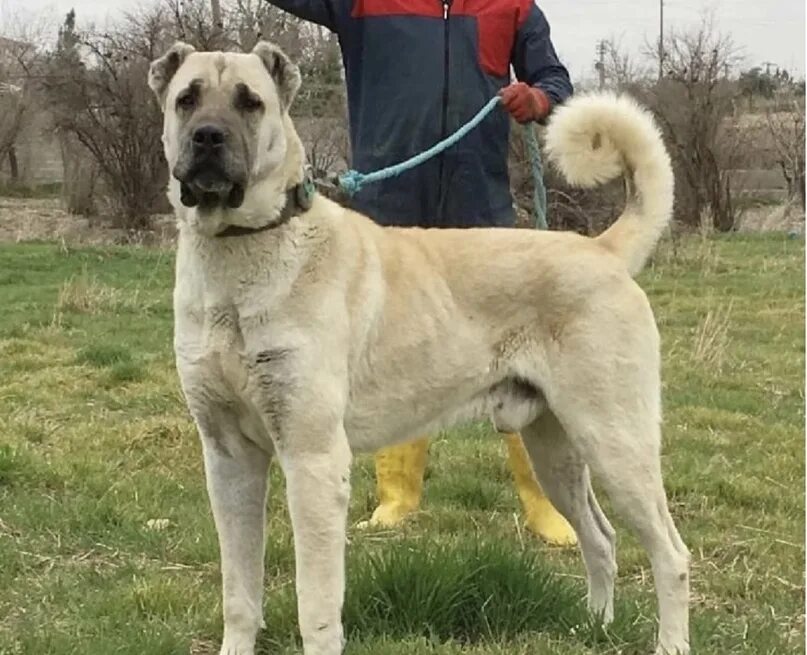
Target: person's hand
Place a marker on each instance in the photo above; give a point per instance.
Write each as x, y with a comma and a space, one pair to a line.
524, 102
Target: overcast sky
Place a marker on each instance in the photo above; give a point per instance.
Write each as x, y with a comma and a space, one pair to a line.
764, 30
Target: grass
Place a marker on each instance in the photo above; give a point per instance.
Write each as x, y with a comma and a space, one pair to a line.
106, 539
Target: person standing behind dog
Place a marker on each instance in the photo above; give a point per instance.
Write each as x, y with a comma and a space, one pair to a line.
417, 70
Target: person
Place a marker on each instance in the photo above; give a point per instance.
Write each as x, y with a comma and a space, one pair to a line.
417, 70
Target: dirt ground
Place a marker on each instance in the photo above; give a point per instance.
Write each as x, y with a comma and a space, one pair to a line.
45, 220
788, 217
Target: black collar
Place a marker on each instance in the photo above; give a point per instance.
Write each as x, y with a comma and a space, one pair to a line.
298, 201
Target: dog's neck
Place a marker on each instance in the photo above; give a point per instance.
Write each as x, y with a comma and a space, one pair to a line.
264, 200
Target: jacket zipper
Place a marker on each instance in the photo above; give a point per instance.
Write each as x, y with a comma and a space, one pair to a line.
444, 125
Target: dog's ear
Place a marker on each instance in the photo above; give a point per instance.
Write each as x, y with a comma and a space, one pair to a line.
285, 74
163, 69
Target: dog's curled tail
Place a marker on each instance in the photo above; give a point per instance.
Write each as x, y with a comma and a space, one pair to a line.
594, 138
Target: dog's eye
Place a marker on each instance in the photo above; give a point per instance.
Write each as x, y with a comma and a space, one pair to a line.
186, 100
251, 103
246, 100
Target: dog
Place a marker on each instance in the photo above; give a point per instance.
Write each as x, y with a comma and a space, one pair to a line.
306, 332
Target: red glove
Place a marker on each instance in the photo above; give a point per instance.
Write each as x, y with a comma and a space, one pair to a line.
524, 102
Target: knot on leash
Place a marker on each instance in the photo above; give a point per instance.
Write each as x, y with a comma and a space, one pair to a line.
351, 182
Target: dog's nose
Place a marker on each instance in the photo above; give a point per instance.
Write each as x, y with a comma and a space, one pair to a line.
208, 137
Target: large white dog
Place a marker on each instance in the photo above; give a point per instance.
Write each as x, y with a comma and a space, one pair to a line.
305, 331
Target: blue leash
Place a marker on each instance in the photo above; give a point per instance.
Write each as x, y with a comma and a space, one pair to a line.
538, 188
352, 181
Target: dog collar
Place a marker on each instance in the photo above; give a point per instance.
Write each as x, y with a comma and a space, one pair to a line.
298, 201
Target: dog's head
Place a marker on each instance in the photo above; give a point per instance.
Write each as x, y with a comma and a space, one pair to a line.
225, 119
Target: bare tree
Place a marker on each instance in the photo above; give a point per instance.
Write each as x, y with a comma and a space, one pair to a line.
234, 25
97, 92
20, 57
756, 83
787, 132
192, 21
13, 116
622, 72
326, 143
693, 102
251, 20
96, 88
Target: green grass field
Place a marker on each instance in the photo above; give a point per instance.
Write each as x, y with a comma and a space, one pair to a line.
95, 444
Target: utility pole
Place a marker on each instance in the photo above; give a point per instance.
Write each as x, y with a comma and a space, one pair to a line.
600, 64
661, 40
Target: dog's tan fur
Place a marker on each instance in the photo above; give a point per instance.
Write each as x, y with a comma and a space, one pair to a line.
329, 334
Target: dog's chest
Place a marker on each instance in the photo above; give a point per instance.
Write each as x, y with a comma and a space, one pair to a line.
210, 354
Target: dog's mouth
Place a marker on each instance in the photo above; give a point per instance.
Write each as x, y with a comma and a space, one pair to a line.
208, 188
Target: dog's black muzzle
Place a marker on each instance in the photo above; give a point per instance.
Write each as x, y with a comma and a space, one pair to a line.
206, 183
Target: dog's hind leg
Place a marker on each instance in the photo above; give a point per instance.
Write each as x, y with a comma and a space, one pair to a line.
318, 489
565, 479
610, 408
631, 476
236, 472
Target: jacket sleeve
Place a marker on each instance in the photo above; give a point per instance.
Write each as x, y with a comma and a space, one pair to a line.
322, 12
534, 58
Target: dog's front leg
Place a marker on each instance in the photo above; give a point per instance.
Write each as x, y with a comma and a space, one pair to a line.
318, 489
236, 472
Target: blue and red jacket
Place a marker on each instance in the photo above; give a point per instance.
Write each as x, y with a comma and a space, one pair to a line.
416, 70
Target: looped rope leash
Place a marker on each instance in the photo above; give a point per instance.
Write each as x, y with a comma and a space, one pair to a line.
538, 188
352, 181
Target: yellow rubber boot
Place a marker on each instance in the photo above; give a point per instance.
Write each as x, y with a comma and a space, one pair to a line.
399, 481
540, 515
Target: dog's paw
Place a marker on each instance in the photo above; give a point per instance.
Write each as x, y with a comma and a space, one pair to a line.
237, 649
673, 650
237, 645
